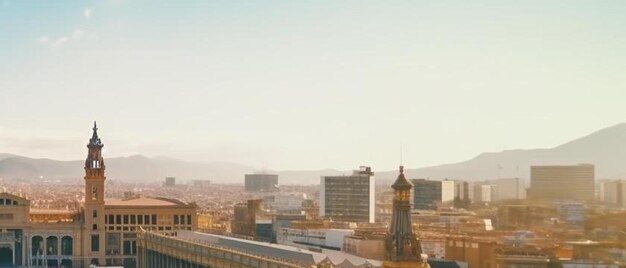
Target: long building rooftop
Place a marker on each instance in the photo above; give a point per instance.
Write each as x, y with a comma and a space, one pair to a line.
144, 201
305, 257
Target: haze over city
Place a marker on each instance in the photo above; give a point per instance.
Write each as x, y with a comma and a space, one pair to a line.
308, 85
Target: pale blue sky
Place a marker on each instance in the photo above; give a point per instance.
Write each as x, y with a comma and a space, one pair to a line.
308, 84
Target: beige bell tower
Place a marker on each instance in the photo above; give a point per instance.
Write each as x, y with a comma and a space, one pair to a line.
94, 233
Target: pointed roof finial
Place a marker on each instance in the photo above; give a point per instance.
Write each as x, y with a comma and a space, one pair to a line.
401, 182
95, 140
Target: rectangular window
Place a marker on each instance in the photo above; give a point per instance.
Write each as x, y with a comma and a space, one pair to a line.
128, 250
154, 219
139, 219
94, 227
146, 219
95, 213
95, 242
130, 235
112, 246
189, 219
125, 219
111, 219
175, 219
118, 219
133, 219
182, 219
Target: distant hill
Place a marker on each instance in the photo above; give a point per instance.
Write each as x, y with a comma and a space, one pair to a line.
133, 168
606, 149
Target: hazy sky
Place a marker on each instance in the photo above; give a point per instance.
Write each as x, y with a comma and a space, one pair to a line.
308, 84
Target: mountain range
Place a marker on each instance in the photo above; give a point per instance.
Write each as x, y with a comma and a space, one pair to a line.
606, 149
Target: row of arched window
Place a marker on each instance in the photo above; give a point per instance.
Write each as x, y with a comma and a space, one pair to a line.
7, 202
51, 245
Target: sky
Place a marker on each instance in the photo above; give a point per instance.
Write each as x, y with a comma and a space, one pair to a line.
308, 84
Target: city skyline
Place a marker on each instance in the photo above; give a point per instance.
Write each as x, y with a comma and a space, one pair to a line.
307, 85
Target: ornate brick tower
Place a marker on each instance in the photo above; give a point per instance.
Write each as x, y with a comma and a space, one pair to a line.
93, 237
402, 247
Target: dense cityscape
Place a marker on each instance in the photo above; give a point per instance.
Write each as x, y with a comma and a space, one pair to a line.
564, 217
312, 134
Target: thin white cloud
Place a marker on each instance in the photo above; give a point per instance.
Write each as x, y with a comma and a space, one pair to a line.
44, 39
78, 34
87, 13
59, 42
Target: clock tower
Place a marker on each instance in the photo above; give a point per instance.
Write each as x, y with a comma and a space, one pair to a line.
93, 238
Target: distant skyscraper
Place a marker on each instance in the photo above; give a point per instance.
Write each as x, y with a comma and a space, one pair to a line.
613, 193
348, 198
428, 193
562, 182
488, 193
462, 190
261, 182
507, 188
169, 182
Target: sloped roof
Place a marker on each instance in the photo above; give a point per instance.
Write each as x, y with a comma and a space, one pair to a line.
279, 251
143, 201
20, 200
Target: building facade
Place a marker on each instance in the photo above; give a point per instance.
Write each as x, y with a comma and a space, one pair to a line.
348, 198
261, 182
427, 194
613, 193
101, 232
562, 182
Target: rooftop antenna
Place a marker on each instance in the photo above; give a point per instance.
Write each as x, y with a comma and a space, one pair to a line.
499, 169
401, 154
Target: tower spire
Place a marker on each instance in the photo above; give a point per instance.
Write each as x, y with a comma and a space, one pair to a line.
402, 246
94, 137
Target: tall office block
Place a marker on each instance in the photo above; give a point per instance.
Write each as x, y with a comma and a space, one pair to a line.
428, 193
169, 182
348, 198
261, 182
613, 193
562, 182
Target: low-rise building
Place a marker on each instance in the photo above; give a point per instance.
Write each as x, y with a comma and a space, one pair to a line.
195, 249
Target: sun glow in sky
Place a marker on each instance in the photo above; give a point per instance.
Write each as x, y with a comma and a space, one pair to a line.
308, 84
